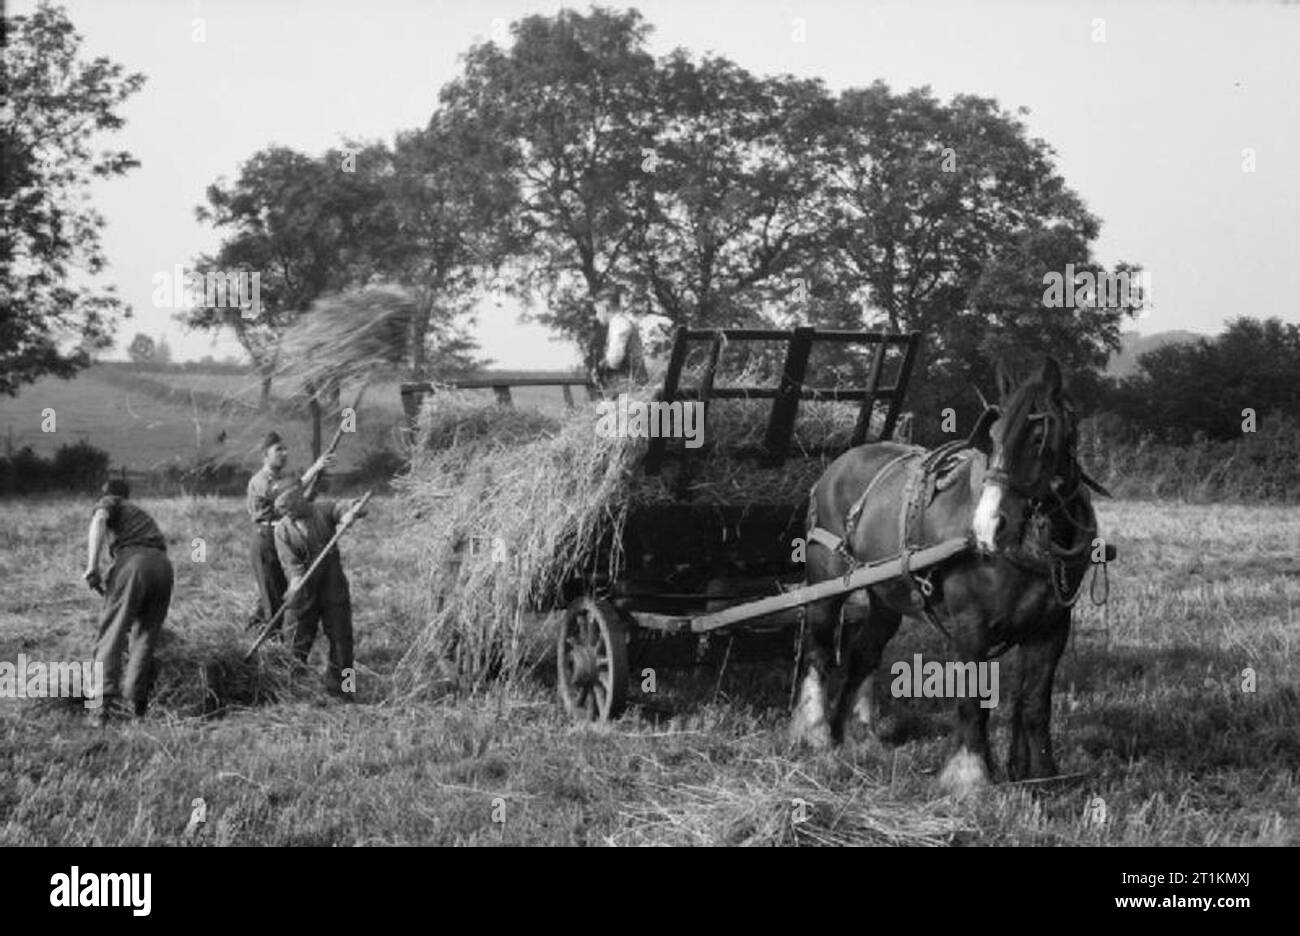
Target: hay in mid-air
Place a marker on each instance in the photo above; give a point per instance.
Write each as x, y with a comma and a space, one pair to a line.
348, 336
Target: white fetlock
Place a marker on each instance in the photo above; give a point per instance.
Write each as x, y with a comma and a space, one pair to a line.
964, 775
809, 725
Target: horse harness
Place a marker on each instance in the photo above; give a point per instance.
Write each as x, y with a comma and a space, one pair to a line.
928, 473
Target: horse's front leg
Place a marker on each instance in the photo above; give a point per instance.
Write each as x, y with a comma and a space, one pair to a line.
1031, 756
970, 766
858, 694
808, 724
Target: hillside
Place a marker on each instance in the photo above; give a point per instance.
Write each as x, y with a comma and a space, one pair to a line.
1135, 345
148, 420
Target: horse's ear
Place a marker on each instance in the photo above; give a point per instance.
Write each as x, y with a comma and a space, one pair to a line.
1005, 379
1050, 375
981, 437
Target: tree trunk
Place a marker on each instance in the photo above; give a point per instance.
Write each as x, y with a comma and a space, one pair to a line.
265, 403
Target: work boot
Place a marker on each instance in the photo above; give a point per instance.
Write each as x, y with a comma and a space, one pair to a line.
334, 688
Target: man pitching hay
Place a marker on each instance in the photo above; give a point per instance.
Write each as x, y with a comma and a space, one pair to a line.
137, 593
263, 487
323, 600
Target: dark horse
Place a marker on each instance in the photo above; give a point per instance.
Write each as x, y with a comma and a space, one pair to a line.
1017, 491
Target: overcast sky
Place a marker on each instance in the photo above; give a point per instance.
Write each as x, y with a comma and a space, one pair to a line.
1150, 124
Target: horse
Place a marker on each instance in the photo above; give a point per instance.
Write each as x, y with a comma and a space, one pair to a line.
1016, 490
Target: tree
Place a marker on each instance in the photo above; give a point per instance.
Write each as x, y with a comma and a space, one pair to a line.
733, 186
55, 105
292, 221
142, 348
162, 352
565, 112
1204, 386
437, 223
945, 218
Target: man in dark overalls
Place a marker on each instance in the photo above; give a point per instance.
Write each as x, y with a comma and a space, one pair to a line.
270, 480
137, 593
324, 601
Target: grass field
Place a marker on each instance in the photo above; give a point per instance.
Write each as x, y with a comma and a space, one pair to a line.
1148, 714
143, 432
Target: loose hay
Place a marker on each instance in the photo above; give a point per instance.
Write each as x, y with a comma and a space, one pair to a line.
201, 671
347, 336
536, 503
792, 811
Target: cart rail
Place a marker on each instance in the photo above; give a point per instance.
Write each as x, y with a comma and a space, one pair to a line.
790, 390
860, 577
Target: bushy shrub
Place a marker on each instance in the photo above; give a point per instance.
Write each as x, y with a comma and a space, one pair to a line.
1260, 466
77, 467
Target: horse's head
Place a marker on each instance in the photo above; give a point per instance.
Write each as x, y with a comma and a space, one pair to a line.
1033, 453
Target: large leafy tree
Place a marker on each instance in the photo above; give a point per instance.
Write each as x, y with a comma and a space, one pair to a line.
733, 188
438, 231
55, 105
299, 223
565, 110
947, 217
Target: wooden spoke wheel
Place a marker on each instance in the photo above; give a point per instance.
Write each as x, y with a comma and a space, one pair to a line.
592, 660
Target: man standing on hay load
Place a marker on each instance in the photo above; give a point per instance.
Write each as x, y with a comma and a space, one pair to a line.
621, 360
324, 599
137, 593
263, 487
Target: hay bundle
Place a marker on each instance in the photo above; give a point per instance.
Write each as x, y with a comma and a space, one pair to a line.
531, 501
206, 674
201, 671
348, 336
507, 507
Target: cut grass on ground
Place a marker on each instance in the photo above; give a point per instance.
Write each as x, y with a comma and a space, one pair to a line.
1148, 715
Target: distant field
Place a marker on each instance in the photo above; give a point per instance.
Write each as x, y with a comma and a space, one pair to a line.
143, 433
1148, 717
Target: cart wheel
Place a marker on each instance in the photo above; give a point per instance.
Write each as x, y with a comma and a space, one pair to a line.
592, 660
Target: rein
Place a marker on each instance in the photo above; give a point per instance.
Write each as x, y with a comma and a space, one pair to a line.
1061, 560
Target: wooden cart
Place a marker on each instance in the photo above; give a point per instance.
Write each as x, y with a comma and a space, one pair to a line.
694, 569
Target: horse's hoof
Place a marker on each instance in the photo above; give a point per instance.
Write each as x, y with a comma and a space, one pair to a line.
816, 735
866, 714
964, 775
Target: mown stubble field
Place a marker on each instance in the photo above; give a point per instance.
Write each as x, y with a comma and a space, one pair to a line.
1149, 717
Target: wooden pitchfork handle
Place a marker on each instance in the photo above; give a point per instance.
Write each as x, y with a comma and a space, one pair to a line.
309, 490
348, 519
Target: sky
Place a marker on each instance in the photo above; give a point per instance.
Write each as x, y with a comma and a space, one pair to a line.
1156, 112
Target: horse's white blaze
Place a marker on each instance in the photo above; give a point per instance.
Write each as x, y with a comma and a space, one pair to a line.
964, 774
985, 523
